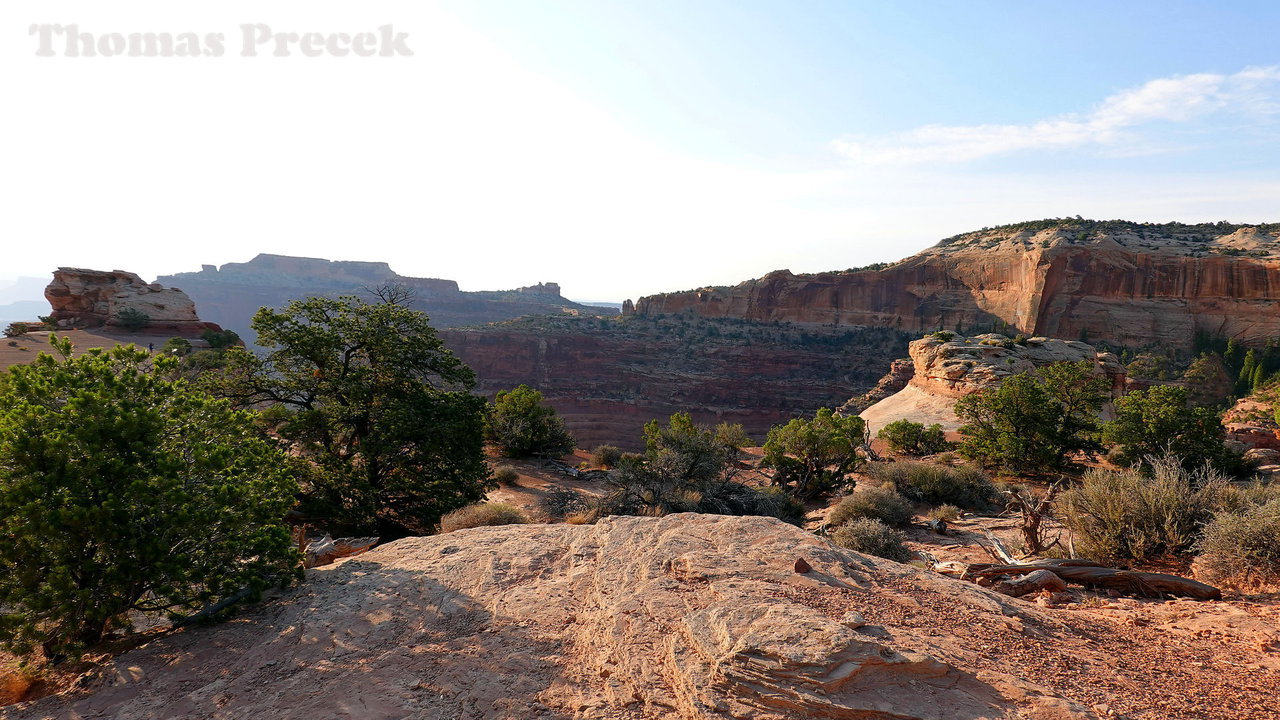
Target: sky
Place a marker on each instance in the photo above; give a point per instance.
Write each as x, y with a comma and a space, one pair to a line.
618, 148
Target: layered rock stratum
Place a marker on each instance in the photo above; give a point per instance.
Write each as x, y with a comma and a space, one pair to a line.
686, 616
1131, 284
231, 294
946, 367
607, 377
83, 298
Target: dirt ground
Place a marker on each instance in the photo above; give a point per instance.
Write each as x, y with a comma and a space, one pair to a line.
19, 350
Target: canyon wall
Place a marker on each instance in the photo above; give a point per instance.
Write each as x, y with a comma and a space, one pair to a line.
607, 376
1126, 283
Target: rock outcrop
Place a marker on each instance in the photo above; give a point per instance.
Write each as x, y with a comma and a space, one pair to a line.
96, 298
946, 367
230, 295
1130, 284
686, 616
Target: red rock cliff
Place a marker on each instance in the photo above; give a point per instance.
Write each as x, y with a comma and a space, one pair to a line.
1127, 283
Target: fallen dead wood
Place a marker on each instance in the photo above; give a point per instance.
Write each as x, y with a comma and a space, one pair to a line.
325, 550
1128, 582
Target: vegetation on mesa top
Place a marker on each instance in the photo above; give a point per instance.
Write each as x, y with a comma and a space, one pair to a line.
1198, 232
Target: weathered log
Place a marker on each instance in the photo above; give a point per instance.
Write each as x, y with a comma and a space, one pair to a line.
1031, 582
1128, 582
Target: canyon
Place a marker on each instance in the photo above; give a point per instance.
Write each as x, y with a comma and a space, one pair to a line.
1130, 284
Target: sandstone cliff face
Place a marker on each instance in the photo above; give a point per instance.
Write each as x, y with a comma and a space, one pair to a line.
608, 377
688, 616
95, 298
946, 368
230, 295
1129, 284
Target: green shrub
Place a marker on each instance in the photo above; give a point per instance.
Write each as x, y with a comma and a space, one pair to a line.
814, 457
220, 339
176, 347
1133, 515
123, 490
963, 486
132, 319
482, 514
16, 329
606, 456
506, 474
1157, 421
872, 537
943, 335
881, 503
1243, 547
913, 438
521, 425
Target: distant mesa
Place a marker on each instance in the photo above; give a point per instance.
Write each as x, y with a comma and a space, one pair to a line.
88, 299
231, 294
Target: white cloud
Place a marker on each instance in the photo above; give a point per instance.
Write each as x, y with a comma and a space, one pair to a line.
1178, 99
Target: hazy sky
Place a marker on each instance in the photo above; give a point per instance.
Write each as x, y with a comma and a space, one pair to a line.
623, 148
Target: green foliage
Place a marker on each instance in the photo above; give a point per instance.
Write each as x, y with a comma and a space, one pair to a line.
15, 329
1034, 421
1137, 515
132, 319
872, 537
506, 475
1243, 546
881, 503
481, 515
732, 435
606, 456
1155, 421
521, 426
964, 486
943, 335
814, 457
220, 339
377, 403
913, 438
1207, 381
176, 347
689, 468
124, 490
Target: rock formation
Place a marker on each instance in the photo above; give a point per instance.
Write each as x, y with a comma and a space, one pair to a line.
608, 377
900, 373
231, 294
95, 298
1130, 284
946, 367
686, 616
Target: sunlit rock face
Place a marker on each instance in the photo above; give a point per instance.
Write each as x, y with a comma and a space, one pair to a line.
83, 298
1127, 283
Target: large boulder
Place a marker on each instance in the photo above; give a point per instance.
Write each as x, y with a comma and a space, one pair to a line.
96, 298
947, 367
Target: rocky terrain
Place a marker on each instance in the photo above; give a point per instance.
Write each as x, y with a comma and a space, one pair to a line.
609, 376
230, 295
686, 616
1131, 284
96, 298
946, 367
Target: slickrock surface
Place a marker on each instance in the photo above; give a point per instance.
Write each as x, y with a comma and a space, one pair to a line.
948, 367
95, 298
686, 616
1132, 284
